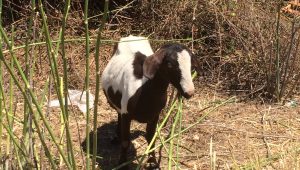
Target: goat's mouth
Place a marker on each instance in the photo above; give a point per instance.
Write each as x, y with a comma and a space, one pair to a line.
184, 92
188, 94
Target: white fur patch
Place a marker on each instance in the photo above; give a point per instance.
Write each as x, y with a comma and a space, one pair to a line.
184, 60
118, 74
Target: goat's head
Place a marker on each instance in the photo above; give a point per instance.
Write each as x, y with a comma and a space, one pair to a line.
174, 62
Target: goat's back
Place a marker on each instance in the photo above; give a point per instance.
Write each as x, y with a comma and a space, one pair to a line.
118, 74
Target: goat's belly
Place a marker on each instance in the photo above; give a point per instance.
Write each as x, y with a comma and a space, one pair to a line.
114, 98
145, 111
144, 117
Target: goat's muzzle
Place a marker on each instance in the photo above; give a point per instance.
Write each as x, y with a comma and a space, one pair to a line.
188, 94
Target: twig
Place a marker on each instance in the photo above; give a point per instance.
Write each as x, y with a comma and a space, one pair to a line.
263, 134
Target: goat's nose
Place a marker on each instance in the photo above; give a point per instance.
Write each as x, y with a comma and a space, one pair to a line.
188, 94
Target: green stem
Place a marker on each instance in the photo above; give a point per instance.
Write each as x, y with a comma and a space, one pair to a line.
179, 110
97, 64
87, 81
95, 39
66, 85
34, 117
34, 100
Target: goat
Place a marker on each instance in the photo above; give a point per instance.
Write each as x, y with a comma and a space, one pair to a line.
135, 83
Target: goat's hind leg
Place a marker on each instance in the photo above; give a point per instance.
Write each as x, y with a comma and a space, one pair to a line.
150, 131
117, 138
125, 136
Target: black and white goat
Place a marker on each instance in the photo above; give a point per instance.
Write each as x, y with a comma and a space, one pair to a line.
135, 83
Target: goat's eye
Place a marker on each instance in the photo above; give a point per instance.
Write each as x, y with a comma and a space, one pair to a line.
169, 65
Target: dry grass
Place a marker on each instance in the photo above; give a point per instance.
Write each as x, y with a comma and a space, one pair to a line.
248, 135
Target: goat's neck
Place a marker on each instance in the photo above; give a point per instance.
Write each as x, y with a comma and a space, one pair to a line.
159, 83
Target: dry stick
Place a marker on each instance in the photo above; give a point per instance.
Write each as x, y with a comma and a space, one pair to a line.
270, 70
1, 85
219, 32
293, 67
115, 10
284, 83
97, 63
80, 39
252, 134
263, 133
127, 6
277, 89
267, 161
193, 26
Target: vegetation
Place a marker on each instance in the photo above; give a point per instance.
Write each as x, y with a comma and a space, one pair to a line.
247, 50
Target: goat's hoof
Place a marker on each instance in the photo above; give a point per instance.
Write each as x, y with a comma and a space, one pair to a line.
115, 141
126, 167
152, 164
123, 160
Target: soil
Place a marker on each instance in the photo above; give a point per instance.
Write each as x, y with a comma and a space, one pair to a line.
250, 135
238, 134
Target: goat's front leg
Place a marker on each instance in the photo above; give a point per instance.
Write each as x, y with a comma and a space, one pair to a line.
150, 131
125, 135
117, 138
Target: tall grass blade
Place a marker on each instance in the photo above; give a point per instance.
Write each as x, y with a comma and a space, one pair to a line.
87, 80
66, 85
34, 100
10, 119
174, 125
27, 127
97, 64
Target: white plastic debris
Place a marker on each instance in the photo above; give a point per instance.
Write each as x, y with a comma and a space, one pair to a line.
292, 103
76, 98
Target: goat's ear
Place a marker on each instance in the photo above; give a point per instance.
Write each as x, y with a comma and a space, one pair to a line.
152, 63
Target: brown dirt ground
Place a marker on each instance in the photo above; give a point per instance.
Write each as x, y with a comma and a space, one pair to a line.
238, 134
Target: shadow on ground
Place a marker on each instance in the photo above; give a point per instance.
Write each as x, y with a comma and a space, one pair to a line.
108, 153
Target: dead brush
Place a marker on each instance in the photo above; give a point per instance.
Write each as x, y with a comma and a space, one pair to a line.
235, 42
